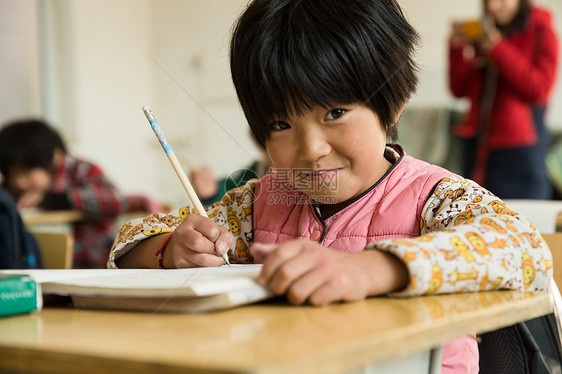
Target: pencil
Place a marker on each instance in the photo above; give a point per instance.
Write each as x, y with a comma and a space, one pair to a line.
177, 167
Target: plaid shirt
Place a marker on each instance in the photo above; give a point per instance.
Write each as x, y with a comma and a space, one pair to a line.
81, 185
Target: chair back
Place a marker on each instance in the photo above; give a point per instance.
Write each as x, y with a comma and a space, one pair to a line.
56, 249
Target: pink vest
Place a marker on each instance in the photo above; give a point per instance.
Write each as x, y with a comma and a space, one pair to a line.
389, 209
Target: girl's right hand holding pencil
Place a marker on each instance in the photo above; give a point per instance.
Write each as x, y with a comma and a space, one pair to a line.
198, 241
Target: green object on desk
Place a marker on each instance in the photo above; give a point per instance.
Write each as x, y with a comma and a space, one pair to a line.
19, 294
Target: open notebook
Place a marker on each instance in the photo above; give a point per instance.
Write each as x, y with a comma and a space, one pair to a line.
152, 290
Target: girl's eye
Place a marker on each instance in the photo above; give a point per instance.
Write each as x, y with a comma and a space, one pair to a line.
335, 114
279, 125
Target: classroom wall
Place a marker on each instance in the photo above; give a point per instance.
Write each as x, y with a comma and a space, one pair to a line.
19, 60
97, 62
166, 54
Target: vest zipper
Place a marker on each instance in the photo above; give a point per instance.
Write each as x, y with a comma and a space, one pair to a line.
317, 212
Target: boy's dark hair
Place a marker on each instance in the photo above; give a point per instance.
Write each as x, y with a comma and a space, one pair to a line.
28, 144
289, 55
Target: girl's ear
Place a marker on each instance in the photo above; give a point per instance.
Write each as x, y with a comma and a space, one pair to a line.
58, 156
398, 114
392, 132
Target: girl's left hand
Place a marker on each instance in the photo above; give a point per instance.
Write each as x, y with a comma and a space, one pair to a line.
308, 271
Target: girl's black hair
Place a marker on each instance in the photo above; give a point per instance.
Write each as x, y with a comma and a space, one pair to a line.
28, 144
287, 56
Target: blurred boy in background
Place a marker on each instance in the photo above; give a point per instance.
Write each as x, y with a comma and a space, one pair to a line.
39, 173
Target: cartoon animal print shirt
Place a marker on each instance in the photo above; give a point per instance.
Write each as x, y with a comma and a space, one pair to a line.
470, 241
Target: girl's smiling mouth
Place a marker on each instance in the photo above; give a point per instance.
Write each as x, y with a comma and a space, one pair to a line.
316, 180
316, 173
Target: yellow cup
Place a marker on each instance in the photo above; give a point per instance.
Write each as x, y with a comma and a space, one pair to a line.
473, 29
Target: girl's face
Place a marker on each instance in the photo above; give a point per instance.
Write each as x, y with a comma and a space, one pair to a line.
331, 155
503, 11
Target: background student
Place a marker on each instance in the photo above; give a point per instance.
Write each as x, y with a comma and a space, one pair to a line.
344, 216
507, 68
210, 190
38, 172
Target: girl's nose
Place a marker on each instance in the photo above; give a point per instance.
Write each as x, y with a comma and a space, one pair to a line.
313, 144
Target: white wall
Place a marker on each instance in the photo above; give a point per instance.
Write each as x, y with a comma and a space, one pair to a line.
105, 59
432, 19
98, 79
117, 56
196, 102
19, 60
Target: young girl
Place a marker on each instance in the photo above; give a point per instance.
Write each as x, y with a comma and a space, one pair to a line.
342, 215
508, 74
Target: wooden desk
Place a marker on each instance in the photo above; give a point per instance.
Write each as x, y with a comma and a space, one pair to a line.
53, 217
263, 338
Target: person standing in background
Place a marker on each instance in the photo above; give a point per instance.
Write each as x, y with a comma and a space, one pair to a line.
39, 173
506, 66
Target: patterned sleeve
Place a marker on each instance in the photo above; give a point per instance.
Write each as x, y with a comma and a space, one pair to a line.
470, 241
234, 211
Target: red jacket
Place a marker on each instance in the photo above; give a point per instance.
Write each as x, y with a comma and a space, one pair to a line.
526, 62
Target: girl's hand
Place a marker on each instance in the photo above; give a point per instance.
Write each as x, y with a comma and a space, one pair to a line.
198, 241
458, 37
308, 271
491, 37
